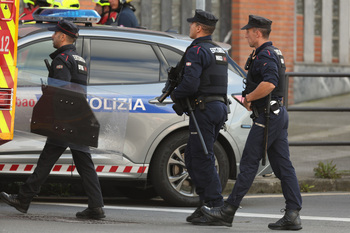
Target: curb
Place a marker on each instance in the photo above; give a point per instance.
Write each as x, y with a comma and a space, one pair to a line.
273, 185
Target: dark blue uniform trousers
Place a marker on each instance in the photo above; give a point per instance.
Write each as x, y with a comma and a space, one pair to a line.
279, 158
201, 167
47, 159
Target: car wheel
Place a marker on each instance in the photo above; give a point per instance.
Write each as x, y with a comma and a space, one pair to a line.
169, 175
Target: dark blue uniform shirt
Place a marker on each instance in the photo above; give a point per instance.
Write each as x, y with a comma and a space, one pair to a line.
196, 60
265, 68
266, 64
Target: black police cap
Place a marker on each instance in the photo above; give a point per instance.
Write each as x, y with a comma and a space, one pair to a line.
67, 27
203, 17
258, 22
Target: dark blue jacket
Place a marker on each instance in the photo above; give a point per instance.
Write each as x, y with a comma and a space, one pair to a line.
68, 66
265, 67
200, 67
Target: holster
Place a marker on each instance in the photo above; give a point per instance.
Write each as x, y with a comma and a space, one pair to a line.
255, 113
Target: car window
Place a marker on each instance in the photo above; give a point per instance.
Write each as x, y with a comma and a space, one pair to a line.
171, 56
120, 62
30, 62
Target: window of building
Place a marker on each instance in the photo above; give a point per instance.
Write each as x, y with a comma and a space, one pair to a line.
300, 7
318, 17
335, 30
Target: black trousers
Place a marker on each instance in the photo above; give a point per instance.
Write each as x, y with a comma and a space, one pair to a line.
47, 160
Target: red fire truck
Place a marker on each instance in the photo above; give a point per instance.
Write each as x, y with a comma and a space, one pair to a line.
8, 70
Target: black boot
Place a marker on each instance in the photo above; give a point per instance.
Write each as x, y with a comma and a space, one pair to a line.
290, 221
196, 214
224, 214
205, 221
13, 200
91, 213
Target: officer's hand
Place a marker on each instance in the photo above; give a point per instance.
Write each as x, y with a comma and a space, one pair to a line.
247, 105
172, 96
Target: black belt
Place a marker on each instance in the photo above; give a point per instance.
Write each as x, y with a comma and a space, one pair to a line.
262, 109
212, 98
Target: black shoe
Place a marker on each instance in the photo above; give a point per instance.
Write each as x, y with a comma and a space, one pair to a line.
13, 200
91, 213
224, 214
290, 221
205, 221
196, 214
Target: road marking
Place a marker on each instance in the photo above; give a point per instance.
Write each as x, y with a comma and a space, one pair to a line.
302, 194
189, 211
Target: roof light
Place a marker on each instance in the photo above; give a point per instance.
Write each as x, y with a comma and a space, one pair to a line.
49, 14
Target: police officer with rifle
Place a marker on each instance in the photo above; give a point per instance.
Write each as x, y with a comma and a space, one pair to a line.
263, 94
201, 91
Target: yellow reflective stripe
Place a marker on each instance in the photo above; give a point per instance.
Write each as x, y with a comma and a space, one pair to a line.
12, 27
9, 61
5, 11
3, 83
3, 125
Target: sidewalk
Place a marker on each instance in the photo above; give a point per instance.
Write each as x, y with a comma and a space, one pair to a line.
314, 126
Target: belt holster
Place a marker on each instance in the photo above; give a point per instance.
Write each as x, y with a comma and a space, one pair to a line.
200, 101
255, 113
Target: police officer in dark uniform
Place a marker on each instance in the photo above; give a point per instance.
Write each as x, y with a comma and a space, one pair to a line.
265, 76
204, 82
68, 66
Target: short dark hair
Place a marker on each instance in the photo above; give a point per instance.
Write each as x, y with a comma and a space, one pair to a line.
265, 32
206, 28
70, 39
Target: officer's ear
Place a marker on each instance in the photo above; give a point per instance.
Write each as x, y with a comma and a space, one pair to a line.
258, 32
199, 27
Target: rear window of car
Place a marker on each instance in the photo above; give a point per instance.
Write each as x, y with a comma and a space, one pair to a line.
171, 56
121, 62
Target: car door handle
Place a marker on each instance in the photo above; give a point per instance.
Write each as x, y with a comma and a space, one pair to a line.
156, 102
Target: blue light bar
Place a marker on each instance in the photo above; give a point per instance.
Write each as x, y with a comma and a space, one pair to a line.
49, 14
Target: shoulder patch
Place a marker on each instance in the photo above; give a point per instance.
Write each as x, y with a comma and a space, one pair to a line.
59, 67
217, 50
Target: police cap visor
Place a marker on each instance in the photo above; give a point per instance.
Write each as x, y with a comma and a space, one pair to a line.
203, 17
66, 27
257, 22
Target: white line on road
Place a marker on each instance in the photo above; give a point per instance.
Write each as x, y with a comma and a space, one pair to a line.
189, 211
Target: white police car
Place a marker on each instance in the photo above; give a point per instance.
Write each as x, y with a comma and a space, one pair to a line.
132, 63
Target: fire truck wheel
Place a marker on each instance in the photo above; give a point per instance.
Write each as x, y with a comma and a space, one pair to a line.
169, 175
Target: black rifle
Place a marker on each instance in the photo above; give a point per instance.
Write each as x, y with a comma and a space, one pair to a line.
266, 130
174, 79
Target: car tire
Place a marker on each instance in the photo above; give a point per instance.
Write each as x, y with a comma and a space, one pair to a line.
169, 175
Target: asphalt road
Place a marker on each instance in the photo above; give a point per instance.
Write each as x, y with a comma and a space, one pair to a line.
322, 212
